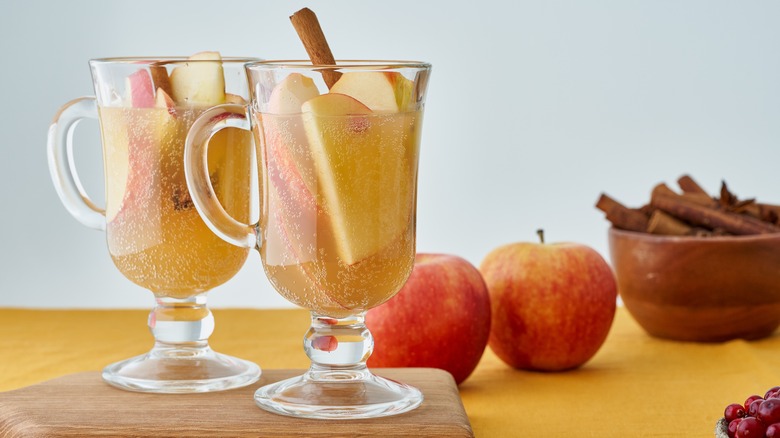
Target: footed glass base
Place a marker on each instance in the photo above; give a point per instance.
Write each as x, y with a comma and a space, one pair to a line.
338, 395
177, 369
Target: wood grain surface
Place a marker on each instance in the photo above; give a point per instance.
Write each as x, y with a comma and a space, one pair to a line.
82, 405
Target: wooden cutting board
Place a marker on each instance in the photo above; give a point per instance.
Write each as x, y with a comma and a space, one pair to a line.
81, 405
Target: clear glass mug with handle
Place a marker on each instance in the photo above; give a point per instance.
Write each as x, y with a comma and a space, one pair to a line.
338, 153
145, 107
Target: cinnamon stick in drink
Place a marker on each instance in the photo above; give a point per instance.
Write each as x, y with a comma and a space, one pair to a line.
313, 39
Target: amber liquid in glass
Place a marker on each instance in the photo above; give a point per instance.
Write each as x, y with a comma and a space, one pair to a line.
339, 203
155, 235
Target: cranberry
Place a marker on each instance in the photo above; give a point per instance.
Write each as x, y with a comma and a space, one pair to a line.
733, 427
750, 400
752, 409
772, 392
773, 431
751, 427
734, 411
769, 411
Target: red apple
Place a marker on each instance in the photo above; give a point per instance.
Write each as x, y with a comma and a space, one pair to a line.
552, 305
439, 319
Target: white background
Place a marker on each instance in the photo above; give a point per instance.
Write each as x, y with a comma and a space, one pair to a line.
534, 108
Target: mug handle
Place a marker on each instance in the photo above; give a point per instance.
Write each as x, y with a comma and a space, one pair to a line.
62, 167
196, 173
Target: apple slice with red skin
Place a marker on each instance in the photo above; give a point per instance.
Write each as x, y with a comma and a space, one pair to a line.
134, 142
439, 319
140, 90
134, 226
294, 209
379, 91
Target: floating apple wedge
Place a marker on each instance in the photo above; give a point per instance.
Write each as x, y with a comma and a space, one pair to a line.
363, 166
379, 91
288, 96
199, 83
295, 199
140, 90
164, 100
133, 189
117, 164
160, 78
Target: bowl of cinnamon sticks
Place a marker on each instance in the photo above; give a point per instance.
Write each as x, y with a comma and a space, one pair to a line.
695, 267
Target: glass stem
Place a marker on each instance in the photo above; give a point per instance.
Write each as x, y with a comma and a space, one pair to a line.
338, 347
181, 323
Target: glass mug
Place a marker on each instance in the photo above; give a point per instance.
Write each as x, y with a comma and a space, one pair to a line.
155, 236
337, 223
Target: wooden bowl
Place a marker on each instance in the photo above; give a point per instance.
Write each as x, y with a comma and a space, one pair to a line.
699, 289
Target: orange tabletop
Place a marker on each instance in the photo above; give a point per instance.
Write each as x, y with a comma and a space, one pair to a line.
635, 386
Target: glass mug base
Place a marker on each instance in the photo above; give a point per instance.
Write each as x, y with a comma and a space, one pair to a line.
180, 369
338, 395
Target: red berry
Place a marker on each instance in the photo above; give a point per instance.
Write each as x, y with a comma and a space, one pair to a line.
750, 400
771, 392
769, 411
752, 409
751, 427
773, 431
733, 427
734, 411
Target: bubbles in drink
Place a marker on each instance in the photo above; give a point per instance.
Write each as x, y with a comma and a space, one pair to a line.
339, 207
155, 235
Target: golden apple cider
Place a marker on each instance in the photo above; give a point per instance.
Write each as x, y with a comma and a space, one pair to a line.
339, 206
155, 236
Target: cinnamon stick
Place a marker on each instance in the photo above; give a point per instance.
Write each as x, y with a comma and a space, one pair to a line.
662, 223
621, 216
689, 185
711, 218
313, 39
696, 198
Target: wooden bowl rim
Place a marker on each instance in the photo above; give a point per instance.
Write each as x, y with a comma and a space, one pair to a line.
658, 238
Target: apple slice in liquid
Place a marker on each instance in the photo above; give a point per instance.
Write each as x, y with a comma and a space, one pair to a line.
199, 83
363, 173
379, 91
134, 141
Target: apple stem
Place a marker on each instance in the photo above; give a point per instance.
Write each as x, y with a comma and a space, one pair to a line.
540, 233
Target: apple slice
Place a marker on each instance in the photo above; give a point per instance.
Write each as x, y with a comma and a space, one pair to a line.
117, 162
136, 140
140, 90
379, 91
160, 77
288, 96
199, 83
163, 100
298, 204
133, 189
117, 135
363, 165
234, 98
